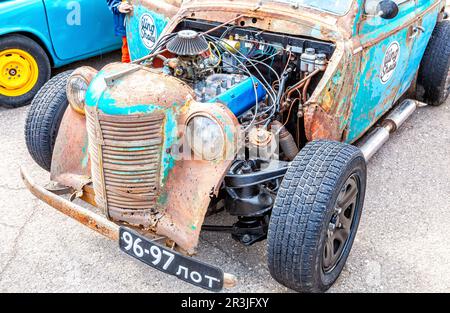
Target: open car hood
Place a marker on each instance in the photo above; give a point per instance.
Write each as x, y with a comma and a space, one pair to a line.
281, 17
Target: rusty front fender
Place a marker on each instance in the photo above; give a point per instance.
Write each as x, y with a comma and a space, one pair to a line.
187, 193
71, 164
326, 112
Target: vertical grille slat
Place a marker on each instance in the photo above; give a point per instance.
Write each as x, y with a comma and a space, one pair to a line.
126, 160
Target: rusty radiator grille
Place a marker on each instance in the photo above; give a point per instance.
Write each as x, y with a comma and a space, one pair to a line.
126, 159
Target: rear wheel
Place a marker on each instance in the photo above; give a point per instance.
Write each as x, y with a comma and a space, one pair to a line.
434, 73
24, 69
316, 216
44, 118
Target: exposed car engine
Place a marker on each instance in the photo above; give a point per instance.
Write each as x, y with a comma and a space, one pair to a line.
264, 78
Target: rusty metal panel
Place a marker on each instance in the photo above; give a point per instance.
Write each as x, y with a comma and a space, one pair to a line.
186, 198
71, 164
88, 218
138, 178
126, 161
272, 16
84, 216
191, 183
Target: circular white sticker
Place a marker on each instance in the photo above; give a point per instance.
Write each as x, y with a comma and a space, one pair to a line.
147, 30
390, 62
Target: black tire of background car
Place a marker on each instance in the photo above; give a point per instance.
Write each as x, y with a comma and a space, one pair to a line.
434, 73
303, 210
17, 41
44, 118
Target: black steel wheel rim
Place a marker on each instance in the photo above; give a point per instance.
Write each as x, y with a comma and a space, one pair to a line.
341, 224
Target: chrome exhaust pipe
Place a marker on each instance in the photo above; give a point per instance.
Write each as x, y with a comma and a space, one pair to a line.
374, 142
376, 139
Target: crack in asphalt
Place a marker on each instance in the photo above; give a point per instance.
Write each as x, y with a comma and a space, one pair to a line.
8, 225
16, 240
231, 257
9, 188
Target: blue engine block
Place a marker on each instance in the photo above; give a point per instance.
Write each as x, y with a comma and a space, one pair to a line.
237, 92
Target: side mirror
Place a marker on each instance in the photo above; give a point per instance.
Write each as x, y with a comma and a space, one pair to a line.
386, 9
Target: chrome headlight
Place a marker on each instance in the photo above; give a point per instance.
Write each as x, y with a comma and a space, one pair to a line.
205, 137
77, 86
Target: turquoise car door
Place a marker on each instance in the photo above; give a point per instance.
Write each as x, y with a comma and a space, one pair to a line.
427, 12
79, 27
387, 46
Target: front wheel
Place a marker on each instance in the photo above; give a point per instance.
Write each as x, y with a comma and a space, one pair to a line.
316, 216
44, 118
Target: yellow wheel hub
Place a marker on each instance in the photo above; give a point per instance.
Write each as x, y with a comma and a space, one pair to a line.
19, 72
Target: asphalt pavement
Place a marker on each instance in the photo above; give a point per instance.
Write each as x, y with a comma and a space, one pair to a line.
402, 244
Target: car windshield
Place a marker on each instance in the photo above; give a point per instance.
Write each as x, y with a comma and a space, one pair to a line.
340, 7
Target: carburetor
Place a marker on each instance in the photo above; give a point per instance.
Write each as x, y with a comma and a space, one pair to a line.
193, 61
190, 68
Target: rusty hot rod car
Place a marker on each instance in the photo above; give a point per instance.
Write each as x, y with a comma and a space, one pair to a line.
267, 110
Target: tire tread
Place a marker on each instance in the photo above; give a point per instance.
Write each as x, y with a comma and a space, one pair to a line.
44, 117
298, 214
434, 73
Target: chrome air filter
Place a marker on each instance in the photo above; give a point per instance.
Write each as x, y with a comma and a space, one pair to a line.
187, 43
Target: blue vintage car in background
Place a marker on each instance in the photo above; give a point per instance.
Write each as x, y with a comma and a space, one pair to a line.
36, 35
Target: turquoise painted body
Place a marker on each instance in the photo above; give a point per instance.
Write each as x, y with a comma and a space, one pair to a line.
373, 96
68, 30
138, 29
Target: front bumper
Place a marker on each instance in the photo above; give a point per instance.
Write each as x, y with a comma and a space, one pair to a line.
87, 217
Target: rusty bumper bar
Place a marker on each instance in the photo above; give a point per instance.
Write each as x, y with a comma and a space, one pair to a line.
86, 217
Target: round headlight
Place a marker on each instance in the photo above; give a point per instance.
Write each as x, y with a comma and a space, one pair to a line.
77, 87
205, 137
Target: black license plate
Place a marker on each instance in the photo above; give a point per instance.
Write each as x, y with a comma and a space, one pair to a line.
170, 262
